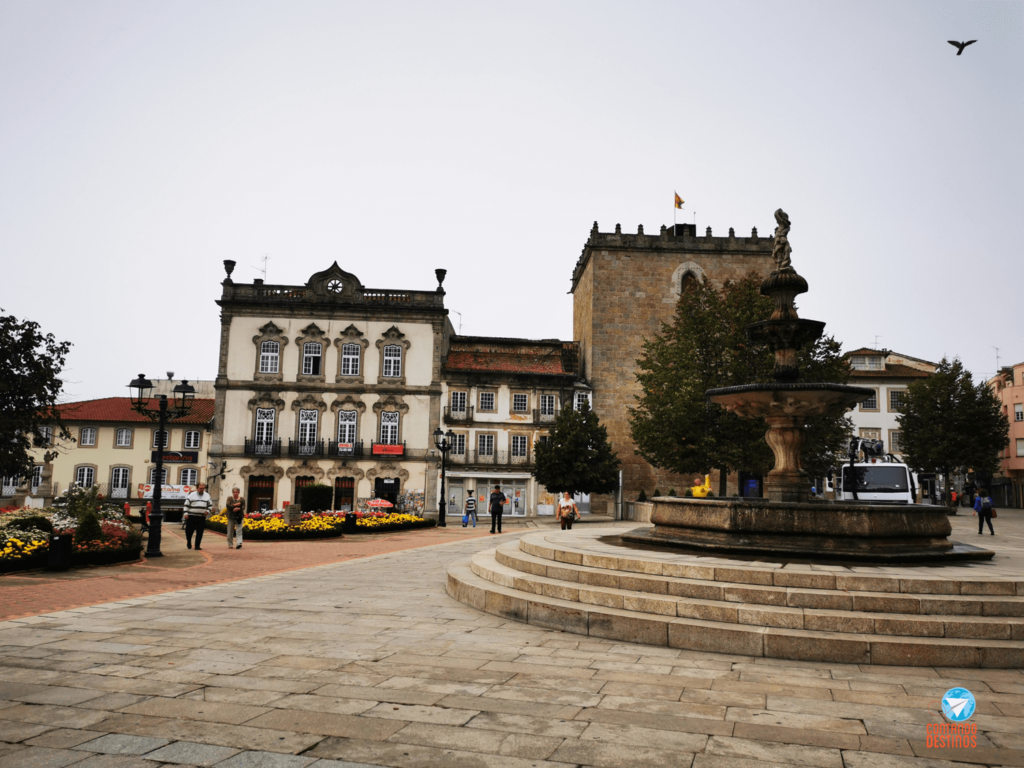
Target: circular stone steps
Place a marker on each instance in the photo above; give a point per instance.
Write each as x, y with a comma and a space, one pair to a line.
898, 616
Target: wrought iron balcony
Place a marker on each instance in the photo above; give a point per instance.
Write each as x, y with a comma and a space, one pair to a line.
305, 447
491, 458
334, 448
459, 416
262, 447
542, 417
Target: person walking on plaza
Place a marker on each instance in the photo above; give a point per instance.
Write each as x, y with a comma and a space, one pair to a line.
470, 510
496, 507
197, 507
986, 511
568, 512
235, 509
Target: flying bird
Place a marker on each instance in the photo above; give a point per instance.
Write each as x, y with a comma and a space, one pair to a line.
960, 46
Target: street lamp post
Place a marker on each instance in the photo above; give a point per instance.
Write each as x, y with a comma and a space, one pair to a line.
443, 443
141, 389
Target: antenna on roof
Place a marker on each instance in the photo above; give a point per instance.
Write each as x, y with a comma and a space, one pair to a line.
460, 320
263, 269
997, 358
877, 337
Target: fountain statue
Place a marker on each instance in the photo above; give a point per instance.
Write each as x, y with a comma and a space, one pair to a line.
788, 523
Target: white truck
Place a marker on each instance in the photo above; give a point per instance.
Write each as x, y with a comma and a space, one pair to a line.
880, 479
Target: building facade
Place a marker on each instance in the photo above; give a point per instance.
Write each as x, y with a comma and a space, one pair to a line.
624, 287
501, 397
329, 382
1008, 484
112, 447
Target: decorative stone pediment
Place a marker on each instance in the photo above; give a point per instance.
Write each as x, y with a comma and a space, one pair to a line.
387, 469
311, 401
333, 283
260, 467
391, 403
305, 469
349, 403
265, 399
393, 336
345, 468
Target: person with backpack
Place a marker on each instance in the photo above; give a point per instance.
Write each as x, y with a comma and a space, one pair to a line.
986, 511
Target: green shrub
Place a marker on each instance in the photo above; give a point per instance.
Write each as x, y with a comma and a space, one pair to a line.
688, 494
656, 493
316, 497
671, 491
37, 522
89, 528
710, 494
642, 496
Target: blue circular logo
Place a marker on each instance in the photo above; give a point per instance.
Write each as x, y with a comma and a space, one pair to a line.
958, 704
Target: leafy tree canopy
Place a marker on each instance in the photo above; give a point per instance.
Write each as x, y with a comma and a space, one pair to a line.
30, 385
577, 456
706, 346
950, 424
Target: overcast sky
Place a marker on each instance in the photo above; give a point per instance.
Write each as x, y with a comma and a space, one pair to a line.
142, 143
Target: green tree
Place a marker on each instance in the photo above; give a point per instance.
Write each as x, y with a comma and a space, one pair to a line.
30, 386
706, 346
949, 423
577, 456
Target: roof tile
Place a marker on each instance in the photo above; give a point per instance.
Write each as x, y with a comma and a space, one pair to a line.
119, 409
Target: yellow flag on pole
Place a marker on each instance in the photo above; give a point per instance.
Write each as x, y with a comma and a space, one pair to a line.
679, 201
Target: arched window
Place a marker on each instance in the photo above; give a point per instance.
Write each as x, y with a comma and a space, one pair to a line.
192, 438
159, 438
124, 438
119, 483
85, 477
189, 476
688, 283
163, 476
88, 436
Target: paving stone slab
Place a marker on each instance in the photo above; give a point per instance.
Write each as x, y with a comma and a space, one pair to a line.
41, 757
266, 760
122, 744
191, 753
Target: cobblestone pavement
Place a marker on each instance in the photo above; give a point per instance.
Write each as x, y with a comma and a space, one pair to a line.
369, 662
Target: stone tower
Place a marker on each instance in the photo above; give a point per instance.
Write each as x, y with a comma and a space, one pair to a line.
624, 287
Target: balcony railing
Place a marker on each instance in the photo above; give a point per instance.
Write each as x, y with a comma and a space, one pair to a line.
262, 447
305, 447
458, 416
491, 458
544, 418
334, 448
396, 450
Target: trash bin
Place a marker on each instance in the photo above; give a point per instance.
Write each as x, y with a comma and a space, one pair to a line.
59, 558
350, 523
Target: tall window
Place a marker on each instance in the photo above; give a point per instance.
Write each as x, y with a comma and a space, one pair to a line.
1020, 446
189, 476
307, 427
458, 445
392, 361
580, 399
350, 360
547, 405
458, 402
37, 477
1018, 411
895, 441
192, 438
485, 445
88, 436
119, 483
896, 399
270, 357
124, 438
871, 404
85, 477
389, 427
46, 433
264, 429
159, 438
519, 403
347, 427
519, 445
152, 476
486, 401
311, 355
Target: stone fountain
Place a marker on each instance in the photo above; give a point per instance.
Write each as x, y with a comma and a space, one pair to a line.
788, 523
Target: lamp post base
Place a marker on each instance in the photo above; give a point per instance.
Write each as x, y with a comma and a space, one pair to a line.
155, 529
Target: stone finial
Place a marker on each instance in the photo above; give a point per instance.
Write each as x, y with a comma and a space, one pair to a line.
640, 229
440, 274
229, 267
732, 232
753, 233
593, 229
618, 229
708, 233
664, 229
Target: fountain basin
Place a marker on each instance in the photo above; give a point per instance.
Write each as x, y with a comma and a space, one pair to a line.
883, 533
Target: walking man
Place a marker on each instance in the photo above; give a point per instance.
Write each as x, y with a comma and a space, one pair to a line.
197, 508
470, 509
496, 507
236, 514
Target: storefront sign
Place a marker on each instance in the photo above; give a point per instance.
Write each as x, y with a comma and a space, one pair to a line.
177, 457
380, 449
167, 492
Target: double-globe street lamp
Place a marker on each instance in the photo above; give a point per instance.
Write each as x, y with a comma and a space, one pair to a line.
184, 393
443, 442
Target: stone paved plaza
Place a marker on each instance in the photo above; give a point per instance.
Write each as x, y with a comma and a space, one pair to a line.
370, 662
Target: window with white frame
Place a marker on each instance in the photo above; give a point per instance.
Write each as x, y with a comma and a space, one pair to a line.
458, 402
347, 427
485, 445
896, 399
1018, 411
579, 399
871, 404
392, 361
866, 362
124, 438
389, 427
307, 426
10, 485
119, 481
270, 357
85, 477
152, 476
547, 405
189, 476
519, 403
350, 359
192, 438
37, 477
486, 401
458, 445
870, 434
87, 436
1020, 446
895, 441
312, 353
265, 426
46, 434
519, 445
160, 438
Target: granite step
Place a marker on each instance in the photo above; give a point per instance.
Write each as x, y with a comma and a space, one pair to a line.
717, 636
514, 556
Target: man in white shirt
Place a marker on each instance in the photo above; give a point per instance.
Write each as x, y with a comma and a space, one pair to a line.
198, 506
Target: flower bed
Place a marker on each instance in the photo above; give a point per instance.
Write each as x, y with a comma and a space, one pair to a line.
375, 522
272, 525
